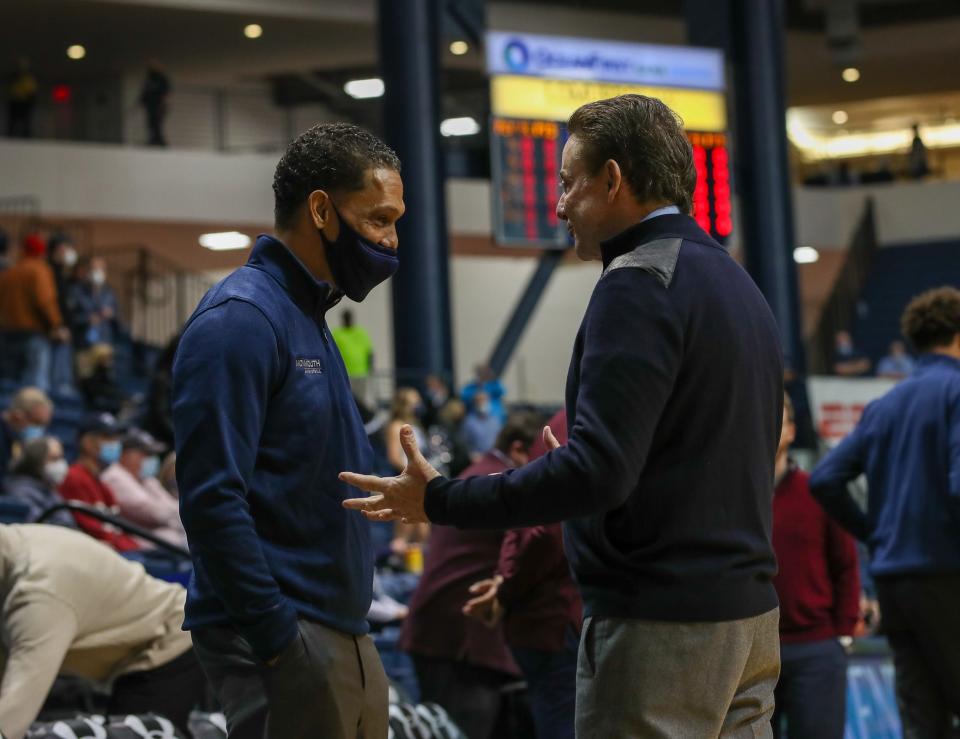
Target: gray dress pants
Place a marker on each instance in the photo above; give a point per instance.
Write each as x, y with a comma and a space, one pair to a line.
659, 680
326, 684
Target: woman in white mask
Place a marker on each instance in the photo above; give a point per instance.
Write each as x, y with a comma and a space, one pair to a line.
35, 477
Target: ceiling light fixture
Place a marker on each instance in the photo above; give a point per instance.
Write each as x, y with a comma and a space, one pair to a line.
459, 48
224, 241
840, 117
851, 74
76, 52
363, 89
253, 30
805, 255
465, 126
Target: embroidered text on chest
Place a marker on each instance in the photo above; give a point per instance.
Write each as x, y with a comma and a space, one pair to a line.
309, 366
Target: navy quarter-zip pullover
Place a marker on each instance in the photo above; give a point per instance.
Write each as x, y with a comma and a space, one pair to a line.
908, 445
675, 401
264, 421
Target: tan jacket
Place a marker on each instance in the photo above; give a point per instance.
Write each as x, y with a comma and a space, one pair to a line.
28, 297
71, 604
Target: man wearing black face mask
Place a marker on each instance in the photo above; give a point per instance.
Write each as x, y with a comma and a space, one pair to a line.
264, 420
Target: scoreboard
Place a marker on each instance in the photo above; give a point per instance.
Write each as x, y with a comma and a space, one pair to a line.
538, 81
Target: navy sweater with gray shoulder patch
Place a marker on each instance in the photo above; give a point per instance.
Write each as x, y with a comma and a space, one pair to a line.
675, 401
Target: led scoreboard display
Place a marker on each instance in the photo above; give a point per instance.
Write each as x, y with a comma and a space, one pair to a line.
538, 81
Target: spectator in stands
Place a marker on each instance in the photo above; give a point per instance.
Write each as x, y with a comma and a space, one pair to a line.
70, 605
677, 388
30, 316
486, 381
139, 495
897, 364
818, 584
450, 421
26, 419
460, 663
356, 348
35, 477
21, 100
481, 426
437, 395
101, 391
158, 419
908, 445
168, 475
154, 97
918, 165
99, 447
535, 596
407, 408
93, 308
847, 360
62, 255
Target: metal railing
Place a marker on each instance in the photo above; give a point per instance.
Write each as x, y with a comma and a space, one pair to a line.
840, 308
156, 295
128, 528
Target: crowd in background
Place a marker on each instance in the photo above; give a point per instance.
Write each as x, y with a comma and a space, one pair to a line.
476, 611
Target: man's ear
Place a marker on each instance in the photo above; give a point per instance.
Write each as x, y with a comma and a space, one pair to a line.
319, 208
614, 179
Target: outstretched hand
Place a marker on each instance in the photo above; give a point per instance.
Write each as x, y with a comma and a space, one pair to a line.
549, 439
485, 606
397, 498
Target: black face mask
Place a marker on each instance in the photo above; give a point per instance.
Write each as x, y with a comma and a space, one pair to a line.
358, 265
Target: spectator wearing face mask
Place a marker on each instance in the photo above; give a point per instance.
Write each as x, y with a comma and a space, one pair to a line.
92, 304
34, 479
100, 447
139, 495
486, 381
481, 426
26, 419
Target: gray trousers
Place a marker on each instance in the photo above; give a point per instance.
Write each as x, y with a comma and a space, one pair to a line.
658, 680
325, 684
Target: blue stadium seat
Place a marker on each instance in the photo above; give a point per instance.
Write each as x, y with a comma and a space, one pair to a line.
898, 274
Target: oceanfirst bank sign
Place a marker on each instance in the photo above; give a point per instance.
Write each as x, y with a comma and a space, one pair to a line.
536, 82
560, 57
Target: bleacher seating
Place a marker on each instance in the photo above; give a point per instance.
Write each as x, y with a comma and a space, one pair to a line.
898, 274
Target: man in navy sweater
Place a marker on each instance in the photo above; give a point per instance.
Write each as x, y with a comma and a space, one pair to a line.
264, 420
674, 402
908, 445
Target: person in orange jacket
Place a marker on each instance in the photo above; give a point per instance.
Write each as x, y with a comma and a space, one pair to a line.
30, 316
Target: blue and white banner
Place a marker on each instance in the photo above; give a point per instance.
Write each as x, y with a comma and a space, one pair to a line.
569, 58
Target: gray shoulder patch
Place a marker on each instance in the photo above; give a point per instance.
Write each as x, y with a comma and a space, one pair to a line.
656, 257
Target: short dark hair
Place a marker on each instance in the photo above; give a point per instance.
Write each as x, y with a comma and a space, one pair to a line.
932, 319
333, 157
522, 426
646, 139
